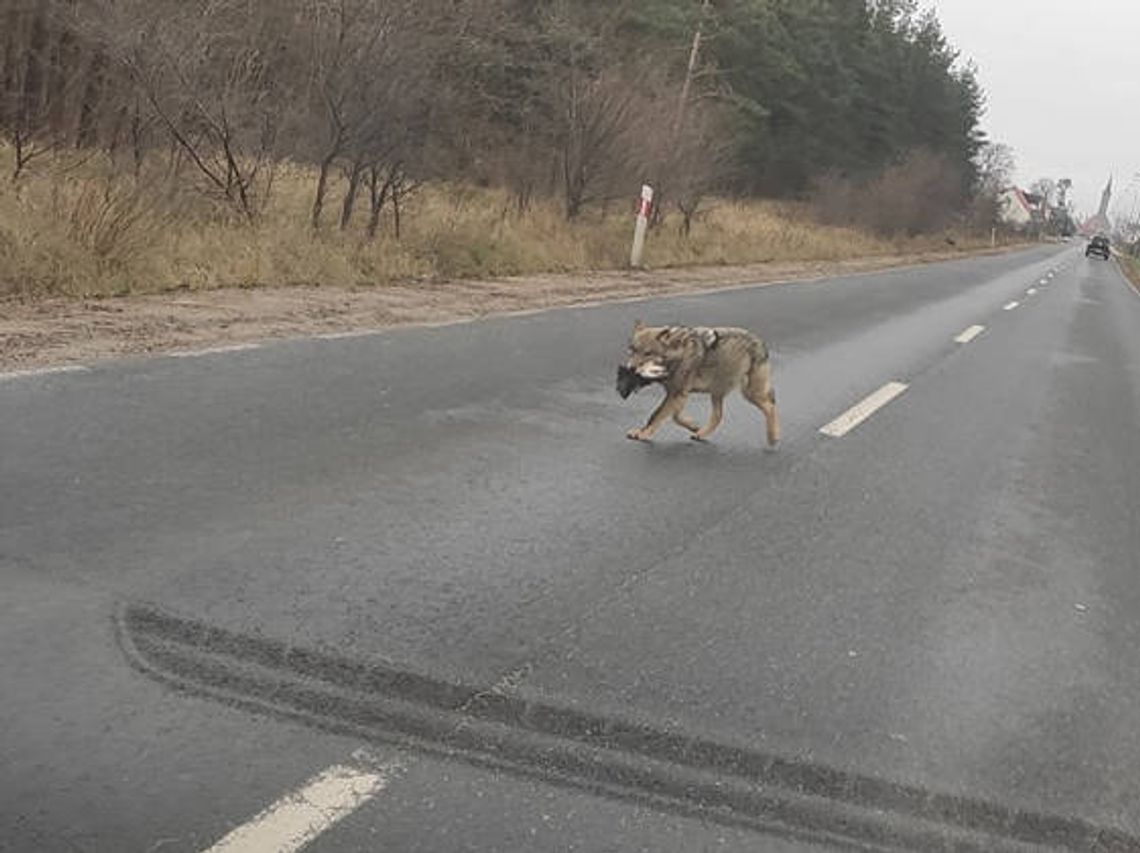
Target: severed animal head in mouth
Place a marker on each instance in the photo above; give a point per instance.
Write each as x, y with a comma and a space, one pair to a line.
631, 379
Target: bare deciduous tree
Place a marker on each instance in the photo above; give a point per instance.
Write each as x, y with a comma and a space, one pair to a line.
593, 124
995, 167
35, 81
356, 59
1045, 188
919, 194
218, 89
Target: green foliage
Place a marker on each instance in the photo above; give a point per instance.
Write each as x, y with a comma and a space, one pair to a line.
808, 87
833, 85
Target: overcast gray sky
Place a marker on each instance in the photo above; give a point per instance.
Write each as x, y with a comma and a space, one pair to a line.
1063, 86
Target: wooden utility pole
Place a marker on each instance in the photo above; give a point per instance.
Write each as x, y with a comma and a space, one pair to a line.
694, 52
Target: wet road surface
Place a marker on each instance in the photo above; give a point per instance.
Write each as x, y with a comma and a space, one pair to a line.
416, 591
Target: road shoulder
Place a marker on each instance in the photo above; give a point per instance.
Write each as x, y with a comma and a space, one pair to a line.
51, 332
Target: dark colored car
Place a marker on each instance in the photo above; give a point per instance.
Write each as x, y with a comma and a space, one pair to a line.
1098, 246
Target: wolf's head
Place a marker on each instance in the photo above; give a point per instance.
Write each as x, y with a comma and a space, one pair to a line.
651, 351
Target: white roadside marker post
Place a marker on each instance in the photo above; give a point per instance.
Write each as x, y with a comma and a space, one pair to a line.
643, 207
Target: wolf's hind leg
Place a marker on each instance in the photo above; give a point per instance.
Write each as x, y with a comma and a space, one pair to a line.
759, 392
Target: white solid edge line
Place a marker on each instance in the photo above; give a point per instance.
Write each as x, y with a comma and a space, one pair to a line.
863, 410
297, 818
1010, 306
43, 371
340, 336
969, 334
195, 353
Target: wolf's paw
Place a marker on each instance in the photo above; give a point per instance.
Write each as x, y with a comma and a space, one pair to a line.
696, 436
637, 435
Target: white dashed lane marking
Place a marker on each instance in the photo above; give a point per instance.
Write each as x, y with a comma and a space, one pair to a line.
1009, 306
863, 410
297, 818
969, 334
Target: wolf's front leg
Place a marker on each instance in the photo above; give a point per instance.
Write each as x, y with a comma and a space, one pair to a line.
670, 406
715, 417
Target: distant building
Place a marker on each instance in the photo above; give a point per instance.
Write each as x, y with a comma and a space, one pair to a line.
1100, 223
1016, 208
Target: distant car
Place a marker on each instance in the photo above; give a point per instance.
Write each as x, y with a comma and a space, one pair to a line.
1098, 246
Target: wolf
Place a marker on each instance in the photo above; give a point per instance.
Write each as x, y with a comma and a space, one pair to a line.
702, 360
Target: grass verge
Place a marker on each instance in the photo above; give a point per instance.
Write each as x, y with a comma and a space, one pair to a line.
71, 228
65, 330
1131, 267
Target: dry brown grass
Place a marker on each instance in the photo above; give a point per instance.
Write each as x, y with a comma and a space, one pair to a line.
72, 228
1131, 267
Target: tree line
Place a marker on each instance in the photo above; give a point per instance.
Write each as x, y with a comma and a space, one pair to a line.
840, 101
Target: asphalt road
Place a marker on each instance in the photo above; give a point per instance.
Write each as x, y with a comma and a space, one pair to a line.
422, 578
